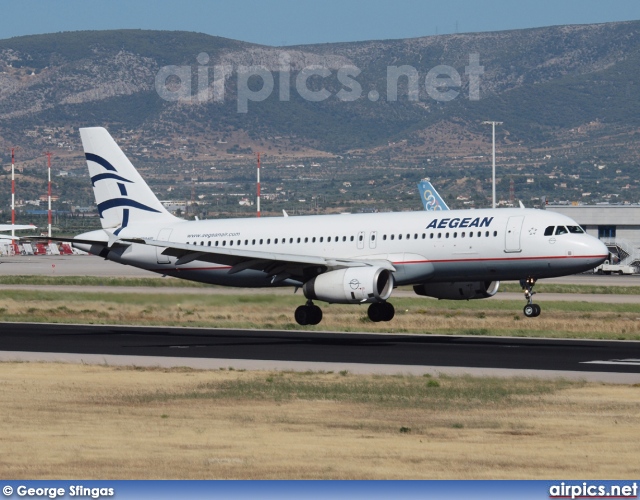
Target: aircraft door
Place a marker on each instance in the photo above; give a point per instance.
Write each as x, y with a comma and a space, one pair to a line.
163, 235
373, 236
512, 235
360, 240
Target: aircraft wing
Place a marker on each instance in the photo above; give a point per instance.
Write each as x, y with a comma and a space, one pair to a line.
280, 266
9, 227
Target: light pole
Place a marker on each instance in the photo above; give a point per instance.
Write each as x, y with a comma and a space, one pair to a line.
493, 171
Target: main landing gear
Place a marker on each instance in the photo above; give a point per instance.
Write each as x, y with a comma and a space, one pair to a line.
310, 314
531, 310
381, 311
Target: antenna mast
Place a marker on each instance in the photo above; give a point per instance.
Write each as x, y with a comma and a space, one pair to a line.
258, 187
13, 196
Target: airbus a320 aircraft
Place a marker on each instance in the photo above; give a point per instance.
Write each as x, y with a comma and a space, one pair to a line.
345, 259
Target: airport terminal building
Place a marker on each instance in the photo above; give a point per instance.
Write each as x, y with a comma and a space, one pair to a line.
618, 226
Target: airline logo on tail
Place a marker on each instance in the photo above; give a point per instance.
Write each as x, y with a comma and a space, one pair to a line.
122, 196
430, 197
114, 202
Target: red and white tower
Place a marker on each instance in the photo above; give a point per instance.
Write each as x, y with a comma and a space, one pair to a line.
49, 188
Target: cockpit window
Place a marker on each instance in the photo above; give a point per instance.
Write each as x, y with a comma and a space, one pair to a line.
575, 229
549, 231
561, 230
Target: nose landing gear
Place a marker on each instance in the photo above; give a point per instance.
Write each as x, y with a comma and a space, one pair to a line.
531, 310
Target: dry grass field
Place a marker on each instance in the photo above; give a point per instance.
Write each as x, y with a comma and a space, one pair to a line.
91, 422
275, 311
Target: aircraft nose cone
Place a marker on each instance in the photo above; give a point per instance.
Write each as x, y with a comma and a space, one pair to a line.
600, 251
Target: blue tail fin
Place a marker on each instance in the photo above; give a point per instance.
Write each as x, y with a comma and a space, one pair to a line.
430, 197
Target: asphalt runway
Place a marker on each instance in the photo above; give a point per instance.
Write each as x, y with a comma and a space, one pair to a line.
607, 361
358, 353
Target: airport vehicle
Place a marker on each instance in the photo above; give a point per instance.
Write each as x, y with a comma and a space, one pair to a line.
607, 268
431, 200
347, 259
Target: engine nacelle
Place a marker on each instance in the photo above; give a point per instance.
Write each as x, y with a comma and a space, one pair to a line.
352, 285
464, 290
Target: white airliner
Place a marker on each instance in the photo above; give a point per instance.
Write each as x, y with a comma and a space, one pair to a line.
345, 259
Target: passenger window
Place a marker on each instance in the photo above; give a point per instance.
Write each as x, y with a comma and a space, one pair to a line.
261, 240
275, 241
321, 238
486, 234
208, 243
470, 234
224, 243
549, 231
329, 239
479, 234
424, 236
439, 235
393, 236
495, 233
253, 242
447, 235
313, 240
384, 237
455, 235
399, 236
430, 236
230, 243
306, 240
298, 240
462, 234
352, 238
561, 230
216, 242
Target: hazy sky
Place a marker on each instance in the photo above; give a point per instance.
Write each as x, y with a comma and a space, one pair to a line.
289, 22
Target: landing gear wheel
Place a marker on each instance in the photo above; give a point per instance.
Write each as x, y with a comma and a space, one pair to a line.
532, 310
375, 312
381, 311
388, 311
302, 315
308, 314
316, 315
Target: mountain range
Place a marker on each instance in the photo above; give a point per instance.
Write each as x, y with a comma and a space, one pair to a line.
562, 92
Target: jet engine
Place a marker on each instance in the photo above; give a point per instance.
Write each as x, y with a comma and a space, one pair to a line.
352, 285
464, 290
